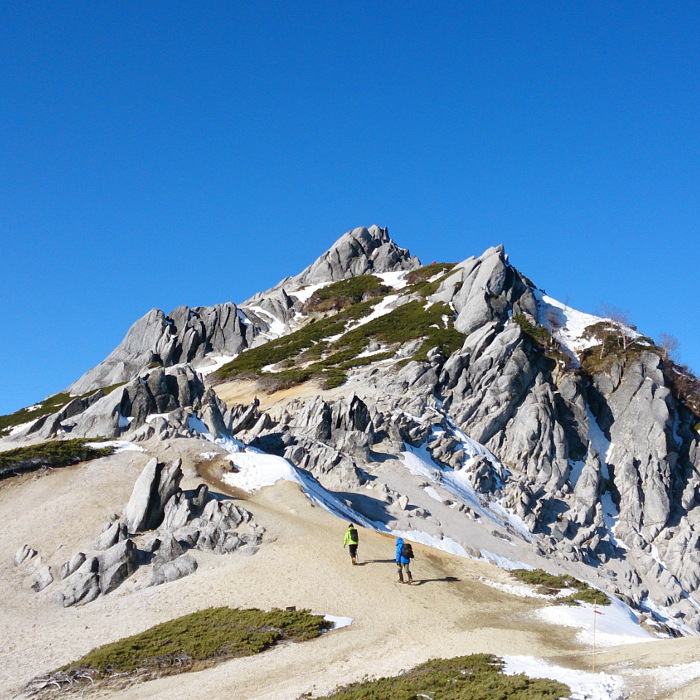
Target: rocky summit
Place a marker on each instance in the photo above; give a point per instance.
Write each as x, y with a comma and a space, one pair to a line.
455, 404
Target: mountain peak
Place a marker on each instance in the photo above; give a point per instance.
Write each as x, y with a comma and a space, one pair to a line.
358, 252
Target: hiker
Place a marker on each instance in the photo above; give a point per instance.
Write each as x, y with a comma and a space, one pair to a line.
352, 540
404, 554
256, 402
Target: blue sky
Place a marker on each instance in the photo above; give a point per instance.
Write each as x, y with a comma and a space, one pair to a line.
165, 153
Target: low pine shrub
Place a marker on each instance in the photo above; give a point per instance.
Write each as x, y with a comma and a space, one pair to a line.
474, 677
551, 584
192, 642
53, 454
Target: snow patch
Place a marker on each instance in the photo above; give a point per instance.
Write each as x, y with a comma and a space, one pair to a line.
19, 428
305, 293
614, 624
254, 470
524, 591
584, 686
446, 544
566, 324
667, 678
339, 622
503, 562
153, 416
243, 318
125, 421
276, 327
432, 493
217, 362
118, 445
393, 279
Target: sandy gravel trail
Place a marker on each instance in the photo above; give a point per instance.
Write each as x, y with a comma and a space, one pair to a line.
449, 611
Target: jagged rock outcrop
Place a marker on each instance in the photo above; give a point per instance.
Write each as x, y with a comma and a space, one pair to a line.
114, 533
600, 462
160, 526
328, 439
184, 335
359, 252
24, 554
187, 335
159, 402
172, 570
154, 487
489, 290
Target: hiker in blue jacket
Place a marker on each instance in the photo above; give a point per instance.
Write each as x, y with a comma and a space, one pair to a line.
404, 554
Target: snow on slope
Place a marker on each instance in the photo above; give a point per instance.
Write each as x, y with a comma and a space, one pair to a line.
614, 624
566, 324
584, 686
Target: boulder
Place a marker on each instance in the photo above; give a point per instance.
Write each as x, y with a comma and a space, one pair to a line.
24, 554
116, 565
82, 586
115, 532
42, 578
173, 570
73, 564
152, 490
168, 550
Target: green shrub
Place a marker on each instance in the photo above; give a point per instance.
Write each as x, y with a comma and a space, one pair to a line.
333, 378
302, 340
685, 386
366, 360
407, 322
191, 642
301, 352
427, 272
551, 584
53, 454
475, 677
52, 404
340, 295
543, 340
419, 280
279, 381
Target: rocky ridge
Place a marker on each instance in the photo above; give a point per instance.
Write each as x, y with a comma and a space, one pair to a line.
596, 463
156, 534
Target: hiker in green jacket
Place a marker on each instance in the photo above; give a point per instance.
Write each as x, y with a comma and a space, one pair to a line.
352, 540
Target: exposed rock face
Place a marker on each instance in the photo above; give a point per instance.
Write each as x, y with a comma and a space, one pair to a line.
24, 554
359, 252
183, 335
115, 533
42, 578
73, 564
189, 334
82, 586
167, 571
154, 487
330, 440
160, 524
602, 468
490, 288
167, 403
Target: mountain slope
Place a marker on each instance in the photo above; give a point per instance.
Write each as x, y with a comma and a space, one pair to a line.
457, 405
455, 608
